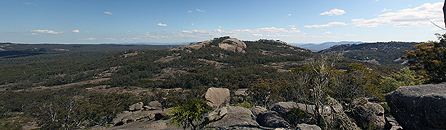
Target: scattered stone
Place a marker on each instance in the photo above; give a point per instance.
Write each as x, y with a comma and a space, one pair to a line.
419, 107
284, 107
217, 97
307, 127
126, 116
136, 106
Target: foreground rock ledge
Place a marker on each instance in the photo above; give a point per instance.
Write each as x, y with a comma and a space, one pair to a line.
420, 107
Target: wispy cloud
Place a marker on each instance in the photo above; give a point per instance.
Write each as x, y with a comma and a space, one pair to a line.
88, 39
199, 10
326, 25
35, 32
333, 12
327, 32
109, 13
292, 27
218, 32
111, 39
75, 31
385, 10
29, 4
162, 25
192, 24
406, 17
189, 11
350, 35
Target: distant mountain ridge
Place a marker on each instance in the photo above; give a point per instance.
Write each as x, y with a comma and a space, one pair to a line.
318, 47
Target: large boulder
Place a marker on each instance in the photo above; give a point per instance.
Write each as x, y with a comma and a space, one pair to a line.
153, 105
365, 112
256, 110
217, 97
419, 107
272, 119
307, 127
136, 106
232, 116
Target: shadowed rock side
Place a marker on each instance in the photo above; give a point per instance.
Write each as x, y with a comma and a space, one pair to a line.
420, 107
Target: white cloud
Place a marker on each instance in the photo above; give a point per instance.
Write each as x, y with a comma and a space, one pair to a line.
111, 39
289, 14
162, 25
88, 39
192, 24
189, 11
326, 25
293, 27
350, 35
205, 34
75, 31
406, 17
219, 27
105, 12
199, 10
385, 10
45, 32
29, 4
327, 32
333, 12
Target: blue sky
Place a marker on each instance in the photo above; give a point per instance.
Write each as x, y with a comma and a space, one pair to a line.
179, 21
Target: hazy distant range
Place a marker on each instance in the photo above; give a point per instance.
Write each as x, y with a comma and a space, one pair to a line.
315, 47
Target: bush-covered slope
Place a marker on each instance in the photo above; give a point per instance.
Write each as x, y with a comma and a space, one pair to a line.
383, 53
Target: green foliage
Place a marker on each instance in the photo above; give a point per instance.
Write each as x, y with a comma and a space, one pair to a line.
190, 114
245, 104
430, 57
386, 108
265, 92
296, 116
357, 81
404, 77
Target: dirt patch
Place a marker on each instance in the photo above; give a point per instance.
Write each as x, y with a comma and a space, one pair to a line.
167, 59
128, 89
130, 54
94, 81
217, 65
168, 73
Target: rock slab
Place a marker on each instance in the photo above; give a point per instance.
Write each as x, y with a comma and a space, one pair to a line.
419, 107
307, 127
233, 116
217, 97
